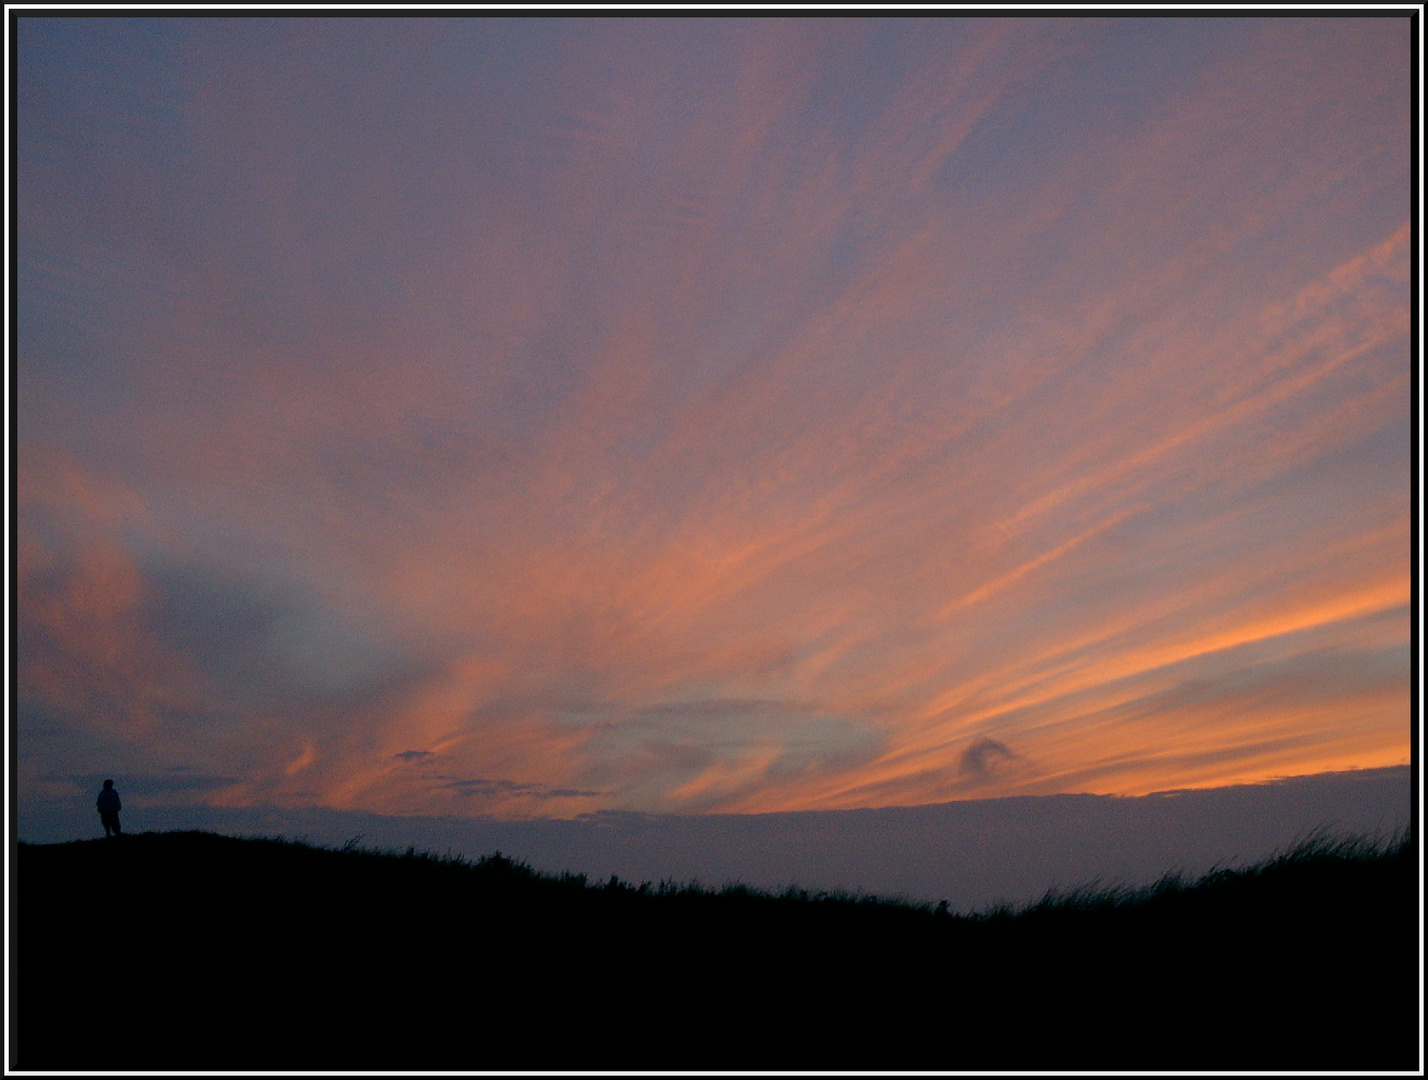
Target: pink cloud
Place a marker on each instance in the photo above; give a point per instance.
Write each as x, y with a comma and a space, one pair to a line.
529, 405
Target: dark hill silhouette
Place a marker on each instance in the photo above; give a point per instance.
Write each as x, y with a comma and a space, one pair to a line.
256, 955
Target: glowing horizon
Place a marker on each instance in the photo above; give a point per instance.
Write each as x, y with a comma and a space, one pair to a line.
541, 416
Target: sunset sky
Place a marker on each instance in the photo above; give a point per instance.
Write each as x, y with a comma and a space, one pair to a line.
539, 416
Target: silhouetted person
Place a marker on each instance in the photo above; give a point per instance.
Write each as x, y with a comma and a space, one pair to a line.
109, 807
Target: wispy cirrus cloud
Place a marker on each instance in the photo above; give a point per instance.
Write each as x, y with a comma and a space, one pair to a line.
713, 415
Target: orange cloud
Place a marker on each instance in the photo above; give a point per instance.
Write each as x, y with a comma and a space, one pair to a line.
761, 415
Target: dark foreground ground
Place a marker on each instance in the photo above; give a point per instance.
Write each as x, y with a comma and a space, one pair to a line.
189, 951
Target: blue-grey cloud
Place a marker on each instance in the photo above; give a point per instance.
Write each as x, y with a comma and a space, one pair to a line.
493, 789
981, 758
151, 788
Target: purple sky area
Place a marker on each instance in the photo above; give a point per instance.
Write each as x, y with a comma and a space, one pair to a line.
514, 418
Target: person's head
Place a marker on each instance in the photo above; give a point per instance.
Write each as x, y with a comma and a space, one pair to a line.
109, 783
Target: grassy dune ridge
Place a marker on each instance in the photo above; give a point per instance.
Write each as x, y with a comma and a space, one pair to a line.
193, 951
